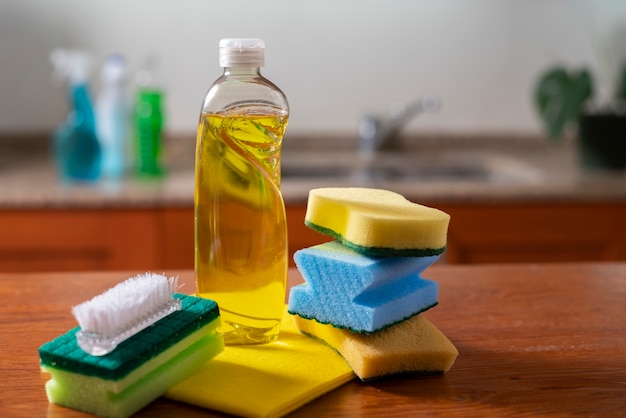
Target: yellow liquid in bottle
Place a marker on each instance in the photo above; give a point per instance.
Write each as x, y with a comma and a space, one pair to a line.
240, 228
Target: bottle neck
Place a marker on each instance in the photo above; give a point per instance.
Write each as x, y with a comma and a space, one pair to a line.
242, 71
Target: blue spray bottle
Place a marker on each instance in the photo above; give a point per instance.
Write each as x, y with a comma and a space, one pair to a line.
76, 147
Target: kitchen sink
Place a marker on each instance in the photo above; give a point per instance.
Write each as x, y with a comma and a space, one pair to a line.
484, 167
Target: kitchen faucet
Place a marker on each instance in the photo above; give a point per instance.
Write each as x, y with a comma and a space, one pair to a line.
375, 131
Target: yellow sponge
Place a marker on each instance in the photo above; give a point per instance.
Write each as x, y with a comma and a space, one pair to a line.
265, 381
412, 346
377, 222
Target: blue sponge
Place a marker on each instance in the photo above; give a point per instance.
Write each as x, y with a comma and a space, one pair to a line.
361, 293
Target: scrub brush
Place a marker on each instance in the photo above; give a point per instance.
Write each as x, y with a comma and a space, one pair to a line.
122, 311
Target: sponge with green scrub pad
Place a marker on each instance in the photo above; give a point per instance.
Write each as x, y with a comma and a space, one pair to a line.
357, 292
143, 366
377, 222
414, 346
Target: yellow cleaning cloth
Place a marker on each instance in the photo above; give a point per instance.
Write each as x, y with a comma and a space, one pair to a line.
266, 380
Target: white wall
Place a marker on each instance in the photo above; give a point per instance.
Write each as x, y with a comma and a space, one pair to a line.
335, 59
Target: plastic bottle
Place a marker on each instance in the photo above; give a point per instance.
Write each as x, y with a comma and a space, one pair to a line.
148, 123
76, 148
240, 228
113, 115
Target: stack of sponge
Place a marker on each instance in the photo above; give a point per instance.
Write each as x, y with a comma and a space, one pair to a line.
363, 293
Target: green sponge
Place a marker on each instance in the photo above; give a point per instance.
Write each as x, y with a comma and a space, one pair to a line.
140, 369
377, 222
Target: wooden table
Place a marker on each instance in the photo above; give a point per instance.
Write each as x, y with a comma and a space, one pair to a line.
545, 340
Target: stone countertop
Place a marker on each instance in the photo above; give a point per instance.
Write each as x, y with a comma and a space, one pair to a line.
28, 178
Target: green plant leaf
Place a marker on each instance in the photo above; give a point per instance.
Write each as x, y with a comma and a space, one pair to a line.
621, 85
579, 91
560, 98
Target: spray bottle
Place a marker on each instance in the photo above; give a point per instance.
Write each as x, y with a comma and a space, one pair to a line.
113, 116
76, 147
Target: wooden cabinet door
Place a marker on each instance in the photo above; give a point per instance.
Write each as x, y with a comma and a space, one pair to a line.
178, 241
73, 240
504, 233
162, 238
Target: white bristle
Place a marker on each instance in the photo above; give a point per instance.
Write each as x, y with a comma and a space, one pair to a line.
120, 307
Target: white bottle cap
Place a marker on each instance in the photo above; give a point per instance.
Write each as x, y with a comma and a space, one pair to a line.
242, 52
114, 69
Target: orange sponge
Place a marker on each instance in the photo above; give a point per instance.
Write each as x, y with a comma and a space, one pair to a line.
411, 346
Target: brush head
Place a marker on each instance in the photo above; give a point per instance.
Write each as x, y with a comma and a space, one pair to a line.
122, 311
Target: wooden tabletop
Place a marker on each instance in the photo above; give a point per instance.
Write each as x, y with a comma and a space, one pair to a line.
545, 340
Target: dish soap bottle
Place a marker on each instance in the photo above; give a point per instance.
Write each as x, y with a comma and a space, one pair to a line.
76, 147
241, 255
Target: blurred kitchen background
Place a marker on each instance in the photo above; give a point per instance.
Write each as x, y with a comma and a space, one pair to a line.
335, 61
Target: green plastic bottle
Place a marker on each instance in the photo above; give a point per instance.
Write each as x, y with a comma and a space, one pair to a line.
241, 254
148, 125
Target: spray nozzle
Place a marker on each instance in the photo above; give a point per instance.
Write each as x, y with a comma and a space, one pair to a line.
71, 65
